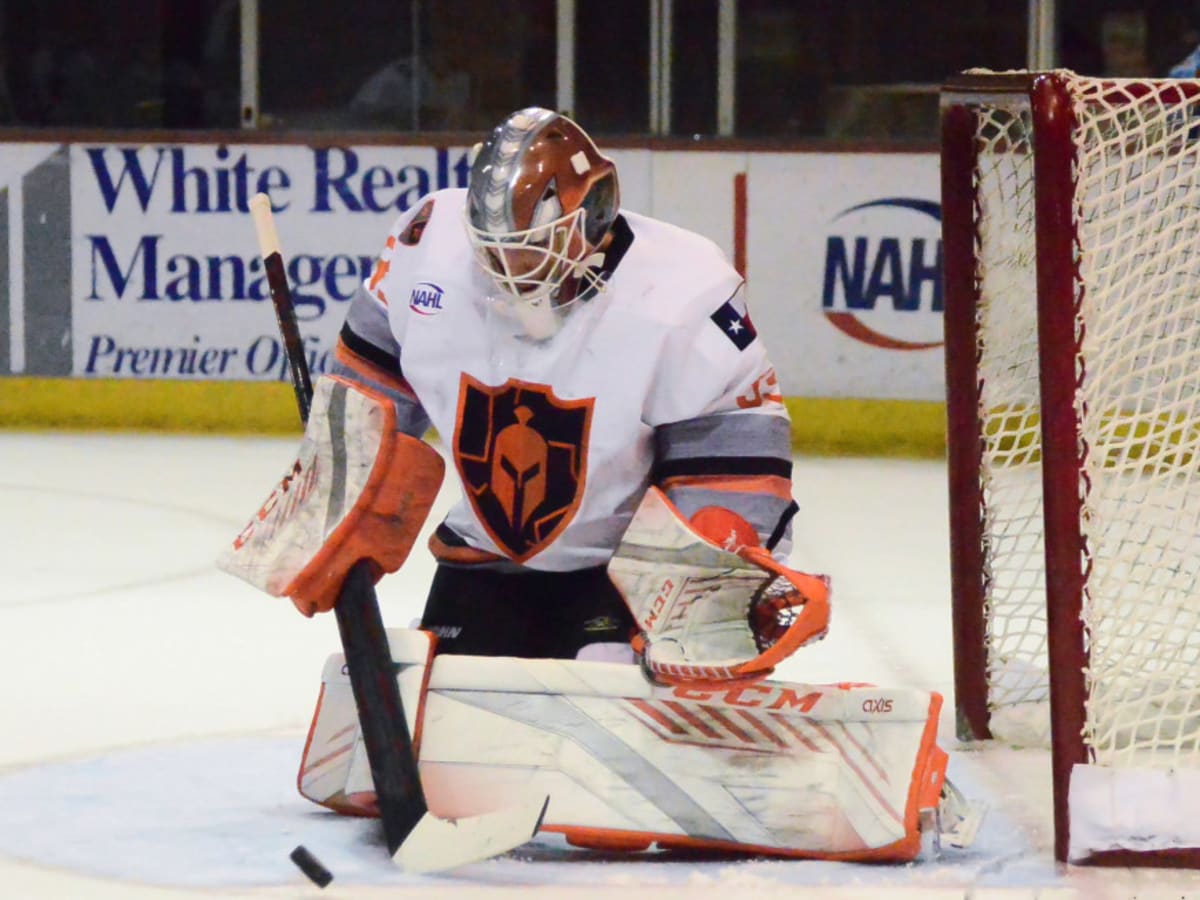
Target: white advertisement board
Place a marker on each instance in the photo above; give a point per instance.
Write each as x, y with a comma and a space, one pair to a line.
166, 275
844, 272
139, 261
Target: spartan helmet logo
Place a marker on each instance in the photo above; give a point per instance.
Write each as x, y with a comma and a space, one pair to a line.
522, 456
519, 459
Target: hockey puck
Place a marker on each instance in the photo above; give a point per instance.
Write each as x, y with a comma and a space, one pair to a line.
311, 866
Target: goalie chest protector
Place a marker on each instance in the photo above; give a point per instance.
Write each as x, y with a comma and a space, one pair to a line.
578, 409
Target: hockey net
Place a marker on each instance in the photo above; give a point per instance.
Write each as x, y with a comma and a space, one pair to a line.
1071, 213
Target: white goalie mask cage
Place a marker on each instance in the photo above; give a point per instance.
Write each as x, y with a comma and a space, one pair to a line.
540, 201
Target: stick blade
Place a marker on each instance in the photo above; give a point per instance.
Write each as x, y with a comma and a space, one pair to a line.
435, 845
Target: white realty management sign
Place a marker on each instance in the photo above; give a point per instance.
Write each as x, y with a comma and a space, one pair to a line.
167, 279
140, 260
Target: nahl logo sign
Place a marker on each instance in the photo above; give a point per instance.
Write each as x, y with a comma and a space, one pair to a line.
426, 299
883, 273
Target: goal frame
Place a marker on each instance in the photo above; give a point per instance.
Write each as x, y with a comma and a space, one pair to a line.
1057, 272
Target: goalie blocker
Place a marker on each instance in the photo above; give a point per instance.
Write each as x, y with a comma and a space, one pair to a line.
357, 490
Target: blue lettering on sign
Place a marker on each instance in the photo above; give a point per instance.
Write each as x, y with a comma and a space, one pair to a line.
343, 184
891, 268
223, 187
426, 298
147, 273
219, 182
107, 357
264, 358
267, 356
132, 167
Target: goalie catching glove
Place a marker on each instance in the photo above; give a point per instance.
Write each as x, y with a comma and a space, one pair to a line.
357, 490
711, 604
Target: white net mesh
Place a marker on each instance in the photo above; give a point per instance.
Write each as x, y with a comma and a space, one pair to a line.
1009, 409
1137, 220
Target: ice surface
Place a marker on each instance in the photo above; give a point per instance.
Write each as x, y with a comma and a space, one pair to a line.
154, 709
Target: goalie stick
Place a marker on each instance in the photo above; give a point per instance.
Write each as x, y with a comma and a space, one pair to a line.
416, 839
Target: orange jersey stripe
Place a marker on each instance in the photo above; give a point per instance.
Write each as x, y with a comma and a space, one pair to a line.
773, 485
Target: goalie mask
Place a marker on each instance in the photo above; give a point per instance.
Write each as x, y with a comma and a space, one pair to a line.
540, 201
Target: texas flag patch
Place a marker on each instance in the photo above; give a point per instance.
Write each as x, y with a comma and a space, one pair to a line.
735, 324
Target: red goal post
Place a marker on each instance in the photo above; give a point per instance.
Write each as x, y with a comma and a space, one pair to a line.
1071, 240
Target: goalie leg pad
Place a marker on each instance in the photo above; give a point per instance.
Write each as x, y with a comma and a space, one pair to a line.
772, 768
357, 490
334, 769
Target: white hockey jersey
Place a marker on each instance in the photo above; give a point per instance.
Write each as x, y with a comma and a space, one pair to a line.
658, 377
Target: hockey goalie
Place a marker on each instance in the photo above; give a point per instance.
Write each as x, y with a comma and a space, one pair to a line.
612, 595
693, 745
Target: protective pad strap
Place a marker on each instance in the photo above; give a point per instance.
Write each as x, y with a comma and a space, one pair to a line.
357, 490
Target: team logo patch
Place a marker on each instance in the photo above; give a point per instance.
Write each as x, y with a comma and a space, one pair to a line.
412, 233
522, 455
426, 298
735, 324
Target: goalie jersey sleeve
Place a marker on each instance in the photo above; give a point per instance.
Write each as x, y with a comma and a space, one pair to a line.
724, 437
367, 350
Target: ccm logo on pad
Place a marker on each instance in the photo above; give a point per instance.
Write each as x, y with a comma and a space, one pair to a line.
426, 299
